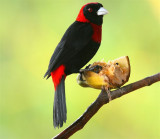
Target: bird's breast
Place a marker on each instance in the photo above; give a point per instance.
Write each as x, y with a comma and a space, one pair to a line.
97, 33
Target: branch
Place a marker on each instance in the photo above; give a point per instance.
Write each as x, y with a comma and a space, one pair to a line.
103, 99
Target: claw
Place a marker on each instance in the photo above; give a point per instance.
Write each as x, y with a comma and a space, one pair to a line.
87, 67
109, 95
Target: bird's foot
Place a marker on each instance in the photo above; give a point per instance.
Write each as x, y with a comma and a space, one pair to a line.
109, 95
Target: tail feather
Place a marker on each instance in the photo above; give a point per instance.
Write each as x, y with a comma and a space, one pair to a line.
48, 74
59, 108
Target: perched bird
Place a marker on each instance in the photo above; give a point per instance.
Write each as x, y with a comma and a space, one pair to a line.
77, 46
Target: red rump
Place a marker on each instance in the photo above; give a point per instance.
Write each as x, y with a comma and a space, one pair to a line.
97, 32
57, 75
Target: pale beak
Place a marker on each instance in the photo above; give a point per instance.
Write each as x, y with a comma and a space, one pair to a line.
102, 11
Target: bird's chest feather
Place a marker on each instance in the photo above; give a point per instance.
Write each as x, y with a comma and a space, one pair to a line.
97, 33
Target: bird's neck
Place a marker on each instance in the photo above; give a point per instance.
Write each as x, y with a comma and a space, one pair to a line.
81, 17
97, 29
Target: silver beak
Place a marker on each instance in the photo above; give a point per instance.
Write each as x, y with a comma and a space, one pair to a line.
102, 11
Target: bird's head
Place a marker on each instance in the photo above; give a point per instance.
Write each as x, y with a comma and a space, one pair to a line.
92, 12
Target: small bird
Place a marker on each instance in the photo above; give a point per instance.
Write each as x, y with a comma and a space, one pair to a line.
78, 45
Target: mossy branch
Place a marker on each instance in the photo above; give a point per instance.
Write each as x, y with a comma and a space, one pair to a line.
103, 99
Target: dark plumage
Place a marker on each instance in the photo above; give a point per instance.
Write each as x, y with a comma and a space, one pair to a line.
75, 40
77, 46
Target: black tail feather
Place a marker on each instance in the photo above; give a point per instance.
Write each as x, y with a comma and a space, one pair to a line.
59, 108
48, 74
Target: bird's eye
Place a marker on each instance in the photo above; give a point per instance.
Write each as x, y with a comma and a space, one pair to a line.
90, 10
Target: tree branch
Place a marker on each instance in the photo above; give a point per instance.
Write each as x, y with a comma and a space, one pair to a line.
103, 99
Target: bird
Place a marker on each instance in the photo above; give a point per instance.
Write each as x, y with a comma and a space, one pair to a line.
78, 45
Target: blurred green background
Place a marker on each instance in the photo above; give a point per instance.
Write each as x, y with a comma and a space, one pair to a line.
29, 33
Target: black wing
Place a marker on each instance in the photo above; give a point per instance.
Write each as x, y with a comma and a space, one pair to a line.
77, 36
